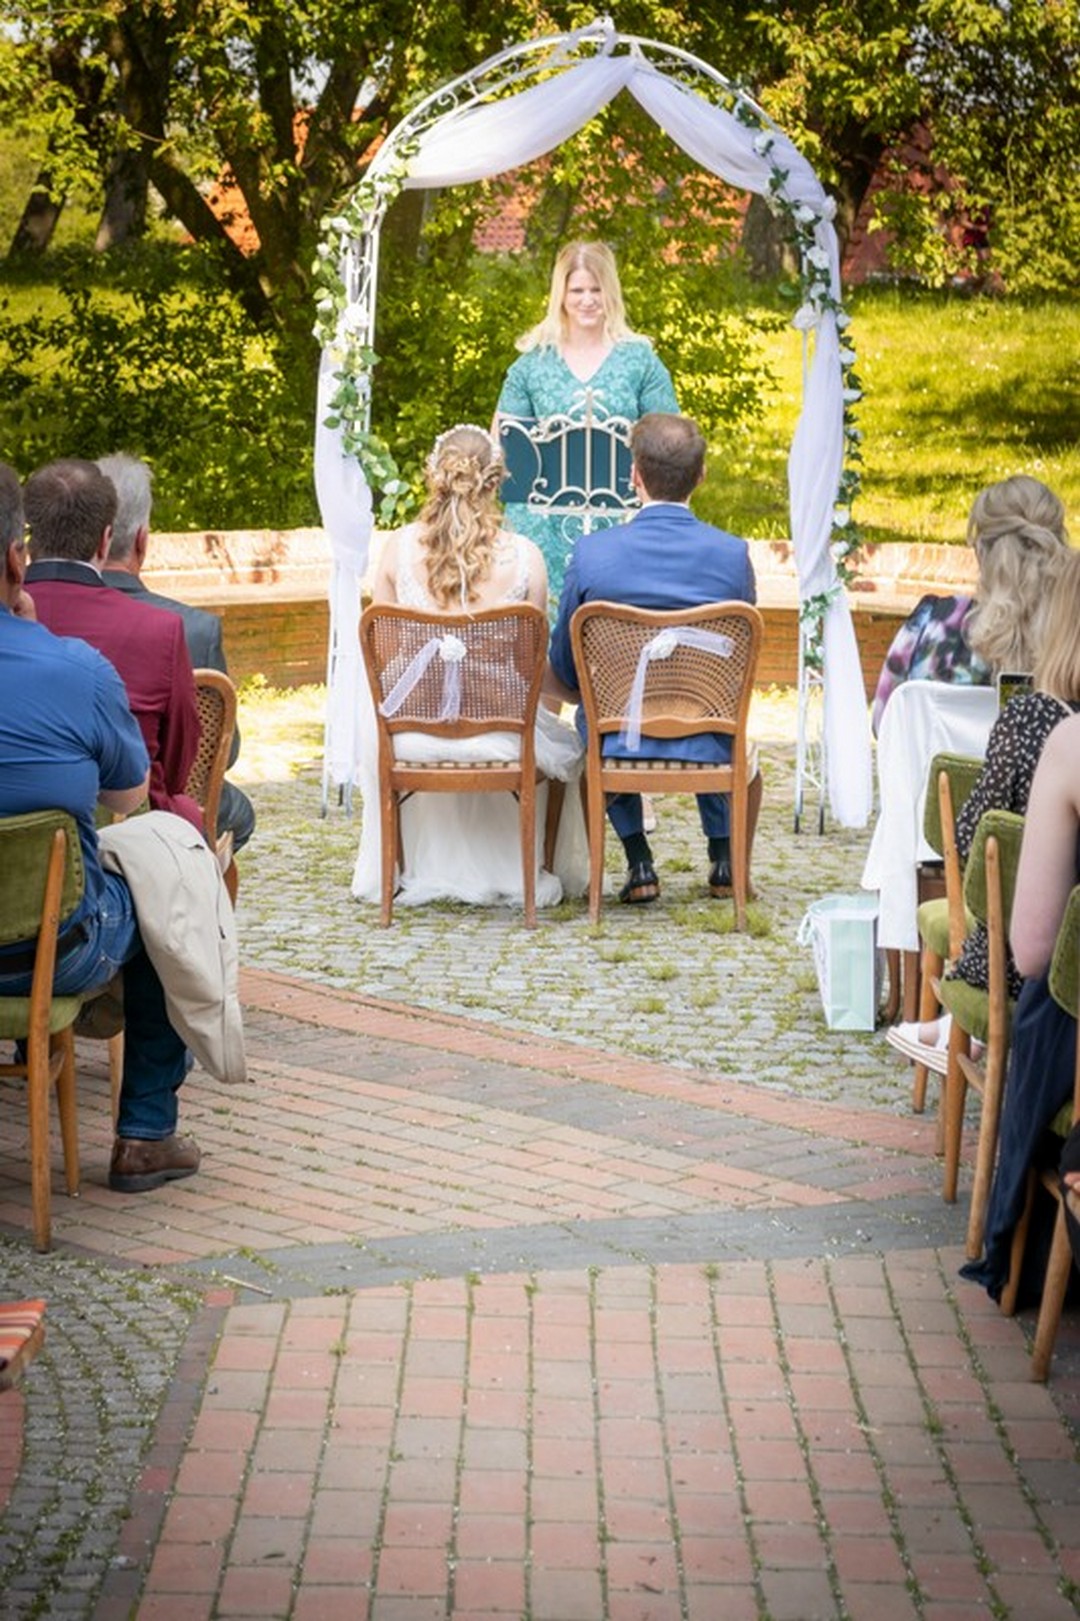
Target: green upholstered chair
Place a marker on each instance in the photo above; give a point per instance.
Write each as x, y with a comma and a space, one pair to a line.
942, 922
984, 1016
42, 883
1065, 989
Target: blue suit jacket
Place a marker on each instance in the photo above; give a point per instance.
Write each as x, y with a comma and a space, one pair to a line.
663, 558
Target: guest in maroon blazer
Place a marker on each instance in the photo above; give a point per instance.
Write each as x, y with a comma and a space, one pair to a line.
70, 507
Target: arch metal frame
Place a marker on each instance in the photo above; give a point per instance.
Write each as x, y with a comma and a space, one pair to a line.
489, 81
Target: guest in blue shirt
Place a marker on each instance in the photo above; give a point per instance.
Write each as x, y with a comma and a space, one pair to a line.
71, 743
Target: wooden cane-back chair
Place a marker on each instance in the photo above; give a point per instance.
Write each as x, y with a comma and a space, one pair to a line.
42, 884
984, 1016
1065, 989
216, 697
494, 660
687, 690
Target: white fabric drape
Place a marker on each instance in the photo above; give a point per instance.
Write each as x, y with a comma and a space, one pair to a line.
921, 719
482, 139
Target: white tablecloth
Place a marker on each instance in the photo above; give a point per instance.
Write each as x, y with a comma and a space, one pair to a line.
922, 718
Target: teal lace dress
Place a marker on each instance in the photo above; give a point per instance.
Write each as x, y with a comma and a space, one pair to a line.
630, 381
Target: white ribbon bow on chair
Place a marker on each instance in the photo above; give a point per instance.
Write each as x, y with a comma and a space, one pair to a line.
452, 651
661, 647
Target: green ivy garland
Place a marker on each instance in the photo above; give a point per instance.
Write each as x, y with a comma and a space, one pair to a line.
817, 297
336, 328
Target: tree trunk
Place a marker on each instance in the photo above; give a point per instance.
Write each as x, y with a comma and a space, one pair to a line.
34, 230
766, 246
123, 216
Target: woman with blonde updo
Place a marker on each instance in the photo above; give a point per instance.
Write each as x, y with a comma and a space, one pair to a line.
1017, 531
458, 555
458, 558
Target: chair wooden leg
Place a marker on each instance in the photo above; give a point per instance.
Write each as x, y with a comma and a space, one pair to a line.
389, 812
739, 859
954, 1096
986, 1149
37, 1104
64, 1044
116, 1072
595, 813
1055, 1284
556, 793
892, 968
527, 814
755, 790
910, 974
929, 1006
1019, 1244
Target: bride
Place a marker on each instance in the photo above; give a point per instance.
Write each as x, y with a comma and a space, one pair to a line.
458, 557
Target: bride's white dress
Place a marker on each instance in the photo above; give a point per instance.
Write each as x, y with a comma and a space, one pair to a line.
467, 847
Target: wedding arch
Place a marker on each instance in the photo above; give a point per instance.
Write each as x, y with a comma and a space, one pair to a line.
514, 107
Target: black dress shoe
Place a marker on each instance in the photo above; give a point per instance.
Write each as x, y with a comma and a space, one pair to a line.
720, 878
641, 885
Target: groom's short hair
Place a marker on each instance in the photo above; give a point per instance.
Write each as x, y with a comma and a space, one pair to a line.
669, 454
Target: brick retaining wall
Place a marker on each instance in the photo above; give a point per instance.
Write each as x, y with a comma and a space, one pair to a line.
270, 588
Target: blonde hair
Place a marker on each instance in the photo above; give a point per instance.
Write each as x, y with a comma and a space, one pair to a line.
1017, 528
1057, 668
599, 261
461, 519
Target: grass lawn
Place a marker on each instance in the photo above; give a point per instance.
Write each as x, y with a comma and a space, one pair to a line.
958, 392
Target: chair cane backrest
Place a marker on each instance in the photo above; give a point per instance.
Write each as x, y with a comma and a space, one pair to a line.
455, 676
691, 690
497, 667
216, 699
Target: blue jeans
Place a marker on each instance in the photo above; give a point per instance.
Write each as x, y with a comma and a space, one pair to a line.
155, 1057
625, 814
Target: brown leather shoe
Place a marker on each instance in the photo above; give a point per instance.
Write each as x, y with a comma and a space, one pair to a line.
138, 1165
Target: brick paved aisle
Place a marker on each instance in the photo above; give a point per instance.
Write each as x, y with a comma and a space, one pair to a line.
457, 1324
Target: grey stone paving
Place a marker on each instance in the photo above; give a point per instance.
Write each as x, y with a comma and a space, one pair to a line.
113, 1339
733, 1235
670, 981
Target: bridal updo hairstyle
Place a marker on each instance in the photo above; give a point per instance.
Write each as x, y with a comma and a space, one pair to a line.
1017, 528
461, 519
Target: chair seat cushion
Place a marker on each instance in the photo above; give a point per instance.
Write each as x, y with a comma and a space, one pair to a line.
932, 921
666, 763
22, 1332
15, 1015
970, 1008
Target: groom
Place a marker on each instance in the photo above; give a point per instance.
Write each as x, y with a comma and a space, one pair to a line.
663, 558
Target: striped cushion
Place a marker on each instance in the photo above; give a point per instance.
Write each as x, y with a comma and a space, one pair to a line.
22, 1332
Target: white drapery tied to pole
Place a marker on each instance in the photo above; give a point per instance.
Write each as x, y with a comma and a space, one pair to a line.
661, 647
452, 651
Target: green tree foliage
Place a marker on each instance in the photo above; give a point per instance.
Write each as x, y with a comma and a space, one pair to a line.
158, 358
140, 100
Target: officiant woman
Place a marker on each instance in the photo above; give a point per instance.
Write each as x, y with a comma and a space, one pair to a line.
582, 352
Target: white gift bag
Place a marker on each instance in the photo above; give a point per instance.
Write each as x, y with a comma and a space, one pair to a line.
842, 930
